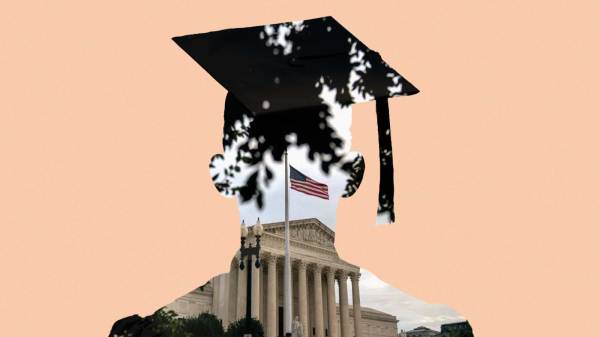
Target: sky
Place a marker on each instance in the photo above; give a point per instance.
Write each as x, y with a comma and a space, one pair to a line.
375, 293
410, 312
300, 205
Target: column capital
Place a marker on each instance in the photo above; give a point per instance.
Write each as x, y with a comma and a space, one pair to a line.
355, 276
316, 267
342, 274
300, 263
270, 258
330, 270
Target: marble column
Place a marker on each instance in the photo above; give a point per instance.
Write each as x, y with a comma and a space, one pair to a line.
272, 296
356, 304
256, 289
344, 313
241, 290
318, 293
303, 296
215, 294
331, 308
231, 306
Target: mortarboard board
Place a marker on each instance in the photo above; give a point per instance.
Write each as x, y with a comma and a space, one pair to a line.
279, 69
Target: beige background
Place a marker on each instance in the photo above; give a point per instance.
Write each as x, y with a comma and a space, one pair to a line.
106, 130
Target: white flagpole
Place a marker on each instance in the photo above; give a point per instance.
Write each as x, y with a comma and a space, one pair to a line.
287, 271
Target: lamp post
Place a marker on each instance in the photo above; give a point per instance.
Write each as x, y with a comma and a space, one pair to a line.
248, 252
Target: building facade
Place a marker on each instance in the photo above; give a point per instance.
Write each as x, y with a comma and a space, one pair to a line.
318, 277
457, 329
422, 331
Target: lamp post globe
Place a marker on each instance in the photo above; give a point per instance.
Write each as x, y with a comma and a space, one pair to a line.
258, 229
243, 230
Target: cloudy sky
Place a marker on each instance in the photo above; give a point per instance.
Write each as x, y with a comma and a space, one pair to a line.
410, 312
300, 205
375, 293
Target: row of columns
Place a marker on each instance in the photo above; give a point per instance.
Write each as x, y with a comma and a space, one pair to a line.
303, 296
302, 283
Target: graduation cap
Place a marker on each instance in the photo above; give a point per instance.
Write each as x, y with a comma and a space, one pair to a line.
280, 69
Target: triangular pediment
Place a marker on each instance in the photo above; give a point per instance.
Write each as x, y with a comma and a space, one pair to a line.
310, 231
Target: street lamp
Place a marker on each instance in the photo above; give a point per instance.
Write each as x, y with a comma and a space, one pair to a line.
249, 251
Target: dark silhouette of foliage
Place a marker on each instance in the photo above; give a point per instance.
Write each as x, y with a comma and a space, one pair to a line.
269, 134
355, 169
134, 326
203, 325
162, 323
351, 69
245, 326
166, 323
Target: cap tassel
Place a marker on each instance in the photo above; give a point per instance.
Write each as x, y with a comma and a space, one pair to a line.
386, 162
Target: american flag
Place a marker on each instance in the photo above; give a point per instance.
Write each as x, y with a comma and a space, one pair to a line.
304, 184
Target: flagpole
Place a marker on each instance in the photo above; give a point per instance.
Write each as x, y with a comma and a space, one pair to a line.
287, 272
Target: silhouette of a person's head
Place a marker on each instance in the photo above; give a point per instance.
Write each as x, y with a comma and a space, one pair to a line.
284, 81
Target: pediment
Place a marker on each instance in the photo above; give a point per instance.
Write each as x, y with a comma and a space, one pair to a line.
311, 231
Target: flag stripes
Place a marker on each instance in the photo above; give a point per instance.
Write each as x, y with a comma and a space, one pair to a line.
304, 184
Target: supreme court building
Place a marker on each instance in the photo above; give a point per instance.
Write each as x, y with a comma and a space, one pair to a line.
318, 274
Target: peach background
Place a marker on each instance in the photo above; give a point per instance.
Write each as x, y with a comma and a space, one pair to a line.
106, 130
